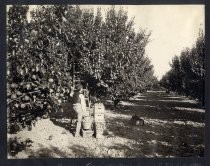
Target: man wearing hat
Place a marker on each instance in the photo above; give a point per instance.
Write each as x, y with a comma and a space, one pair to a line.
79, 105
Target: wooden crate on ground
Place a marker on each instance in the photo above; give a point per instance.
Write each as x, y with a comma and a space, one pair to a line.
99, 117
99, 129
99, 121
99, 108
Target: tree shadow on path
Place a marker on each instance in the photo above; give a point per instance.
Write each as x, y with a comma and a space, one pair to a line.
167, 131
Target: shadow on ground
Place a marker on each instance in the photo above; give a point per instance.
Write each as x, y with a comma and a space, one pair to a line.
157, 106
47, 152
167, 131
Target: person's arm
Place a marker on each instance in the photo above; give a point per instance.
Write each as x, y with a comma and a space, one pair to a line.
83, 103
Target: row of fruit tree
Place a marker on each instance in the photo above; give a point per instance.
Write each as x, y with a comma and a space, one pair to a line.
43, 48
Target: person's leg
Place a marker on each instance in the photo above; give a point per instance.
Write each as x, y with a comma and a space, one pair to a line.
78, 127
79, 119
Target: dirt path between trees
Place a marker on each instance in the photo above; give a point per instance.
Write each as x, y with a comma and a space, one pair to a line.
174, 127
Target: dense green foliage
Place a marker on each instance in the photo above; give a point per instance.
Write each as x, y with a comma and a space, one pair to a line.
107, 52
187, 73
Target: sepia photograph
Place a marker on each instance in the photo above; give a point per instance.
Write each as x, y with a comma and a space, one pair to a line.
105, 81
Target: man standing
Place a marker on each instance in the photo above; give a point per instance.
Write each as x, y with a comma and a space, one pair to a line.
79, 106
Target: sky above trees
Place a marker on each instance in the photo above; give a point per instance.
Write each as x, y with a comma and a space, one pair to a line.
173, 28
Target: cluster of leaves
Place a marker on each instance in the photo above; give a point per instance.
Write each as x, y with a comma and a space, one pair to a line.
45, 53
187, 73
37, 68
112, 54
129, 69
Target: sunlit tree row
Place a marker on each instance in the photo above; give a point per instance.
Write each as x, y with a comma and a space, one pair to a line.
187, 73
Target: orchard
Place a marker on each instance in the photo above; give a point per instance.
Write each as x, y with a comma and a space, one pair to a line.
43, 55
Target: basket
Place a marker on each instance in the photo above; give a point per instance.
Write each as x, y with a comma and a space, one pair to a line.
87, 133
86, 125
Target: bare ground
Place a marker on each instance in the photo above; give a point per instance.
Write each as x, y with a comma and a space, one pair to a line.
174, 127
